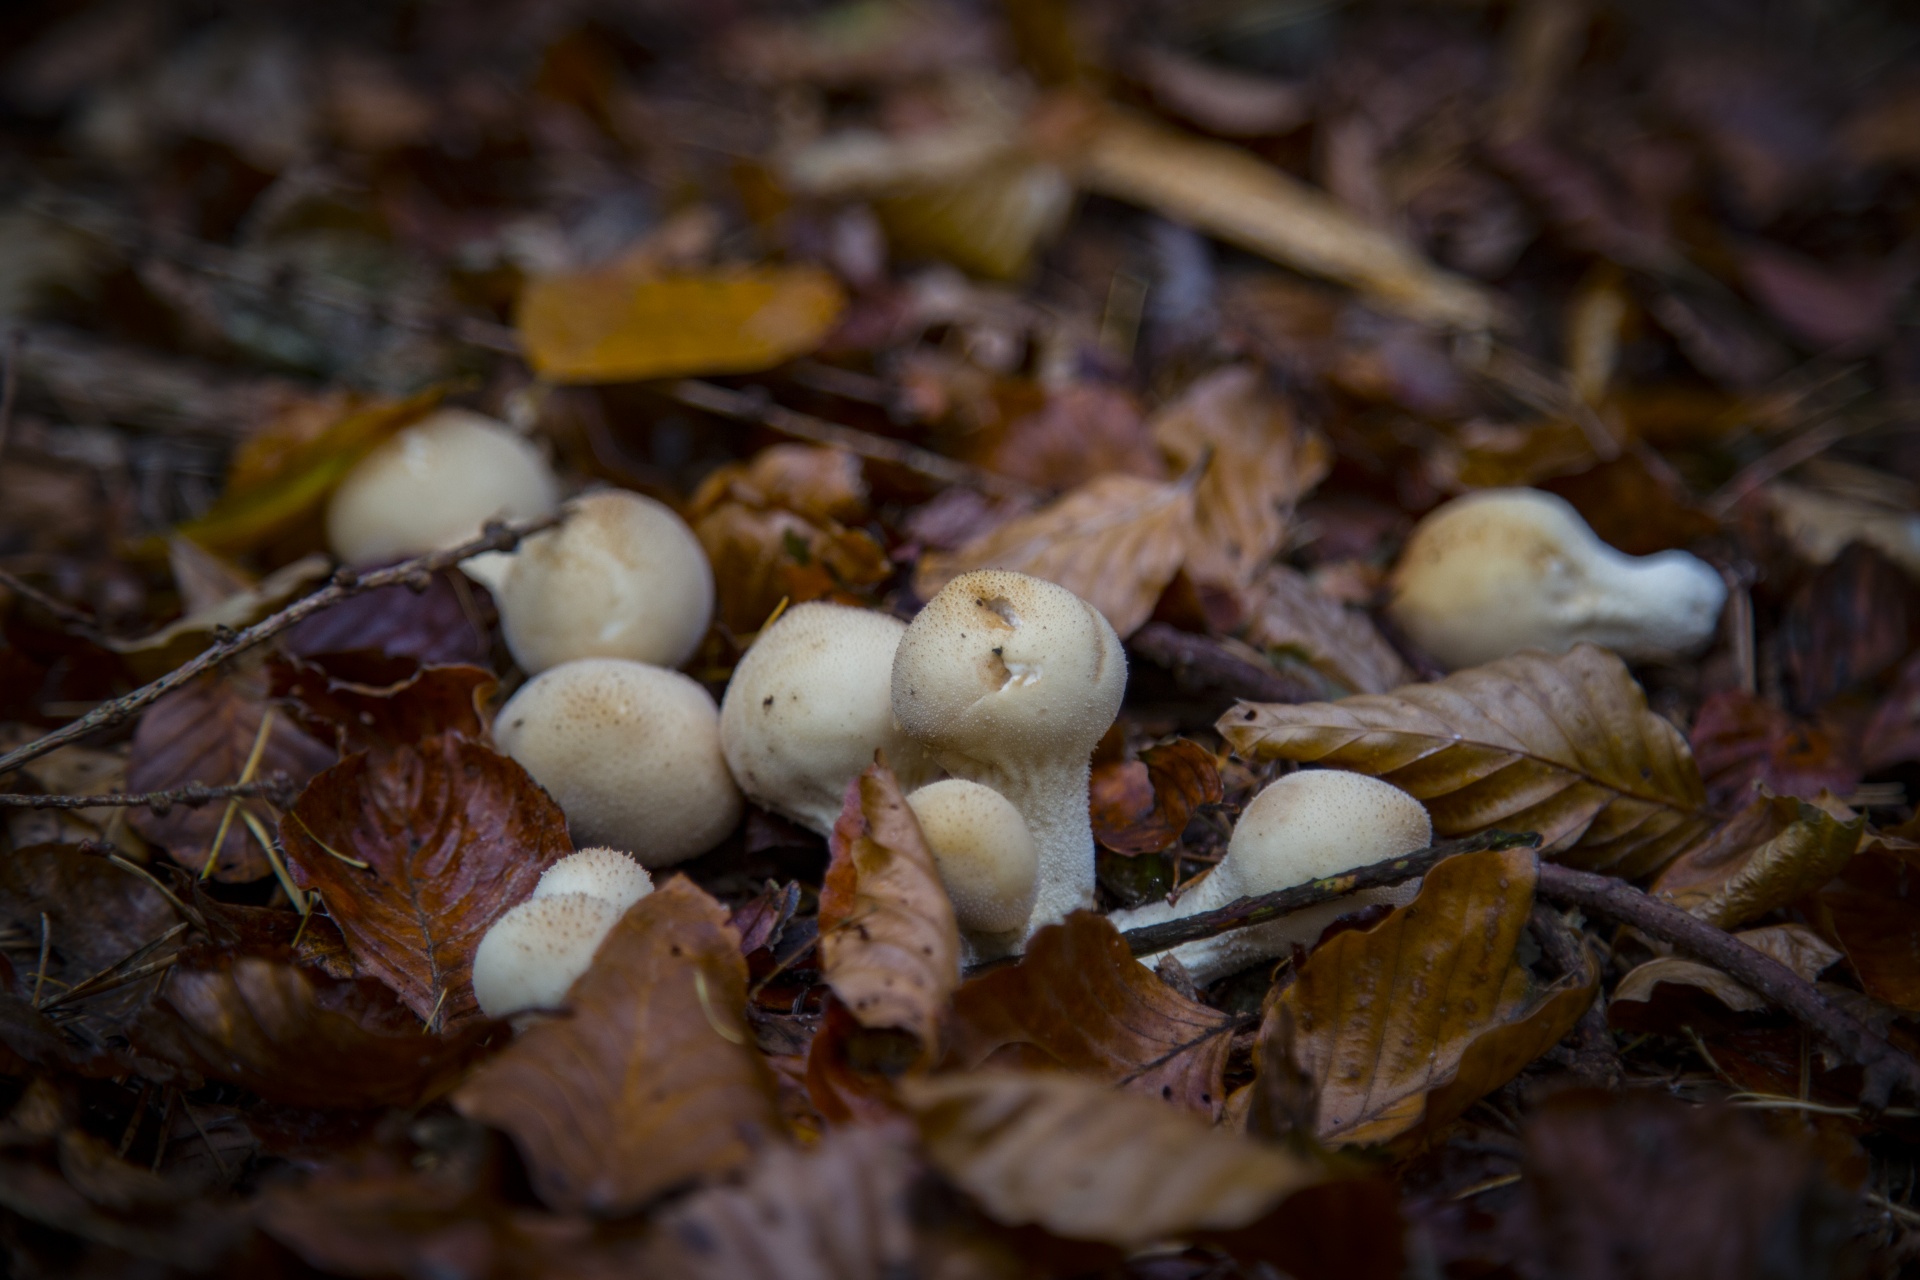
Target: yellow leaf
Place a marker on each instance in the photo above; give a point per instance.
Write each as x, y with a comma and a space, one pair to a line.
620, 325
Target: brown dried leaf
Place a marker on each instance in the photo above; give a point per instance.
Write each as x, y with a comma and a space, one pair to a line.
1115, 542
818, 483
1090, 1163
889, 947
1793, 945
1403, 1026
1262, 462
1741, 741
1142, 806
1079, 1001
764, 555
1287, 613
204, 733
1763, 858
1872, 911
1893, 735
454, 835
1561, 745
653, 1081
1081, 431
385, 704
446, 623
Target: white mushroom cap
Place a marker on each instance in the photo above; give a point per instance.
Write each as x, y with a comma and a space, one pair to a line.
808, 706
1307, 826
1011, 681
1503, 570
433, 485
599, 873
533, 953
986, 856
624, 577
630, 752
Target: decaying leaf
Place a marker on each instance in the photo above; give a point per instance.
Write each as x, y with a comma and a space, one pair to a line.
1562, 745
1740, 740
990, 219
244, 603
621, 325
1090, 1163
1405, 1025
378, 705
1260, 462
653, 1080
446, 623
1142, 806
1078, 1001
889, 947
1116, 542
205, 733
450, 834
762, 556
1762, 858
1793, 945
1872, 911
1288, 616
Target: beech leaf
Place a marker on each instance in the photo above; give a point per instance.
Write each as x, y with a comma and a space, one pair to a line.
653, 1080
1759, 860
452, 833
1872, 911
1562, 745
1142, 806
1080, 1002
1287, 616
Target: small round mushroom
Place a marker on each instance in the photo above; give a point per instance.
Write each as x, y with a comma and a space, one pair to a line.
433, 485
1306, 826
631, 753
599, 873
533, 953
1010, 680
1503, 570
986, 856
624, 577
808, 706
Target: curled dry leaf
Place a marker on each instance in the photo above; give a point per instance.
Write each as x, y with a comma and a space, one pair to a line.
619, 324
889, 947
1793, 945
1090, 1163
1762, 858
1287, 616
378, 705
1079, 1001
1403, 1026
764, 555
1115, 542
452, 835
1260, 462
1142, 806
204, 733
1562, 745
653, 1081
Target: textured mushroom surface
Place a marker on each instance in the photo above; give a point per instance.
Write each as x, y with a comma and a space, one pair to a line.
599, 873
986, 856
533, 953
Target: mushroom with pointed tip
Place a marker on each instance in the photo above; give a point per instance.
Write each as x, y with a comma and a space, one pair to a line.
985, 854
599, 873
1306, 826
806, 709
1503, 570
433, 485
631, 752
1010, 681
533, 953
624, 577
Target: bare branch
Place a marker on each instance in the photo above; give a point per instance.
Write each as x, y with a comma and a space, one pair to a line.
277, 788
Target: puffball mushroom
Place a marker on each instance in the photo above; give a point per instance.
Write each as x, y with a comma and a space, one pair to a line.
624, 577
1306, 826
806, 710
631, 752
433, 485
598, 873
986, 856
1010, 681
534, 952
1503, 570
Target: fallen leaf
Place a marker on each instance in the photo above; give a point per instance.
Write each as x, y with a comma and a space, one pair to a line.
1820, 524
446, 623
1079, 1001
1892, 737
1872, 911
1403, 1026
653, 1080
1259, 463
1847, 625
818, 483
616, 325
172, 645
1742, 741
889, 947
1142, 806
1763, 858
1115, 542
1840, 311
762, 556
1090, 1163
401, 704
1793, 945
1079, 431
204, 733
989, 220
1561, 745
453, 835
1288, 617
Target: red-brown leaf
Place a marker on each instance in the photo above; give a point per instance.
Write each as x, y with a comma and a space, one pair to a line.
1142, 806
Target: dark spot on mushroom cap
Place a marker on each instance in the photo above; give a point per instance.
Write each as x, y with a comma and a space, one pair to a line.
767, 701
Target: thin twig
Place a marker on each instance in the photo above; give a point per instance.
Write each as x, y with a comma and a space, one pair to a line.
75, 619
345, 583
1246, 912
105, 980
276, 787
46, 948
1886, 1067
118, 980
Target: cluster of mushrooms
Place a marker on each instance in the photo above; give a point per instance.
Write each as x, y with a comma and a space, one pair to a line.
1003, 683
